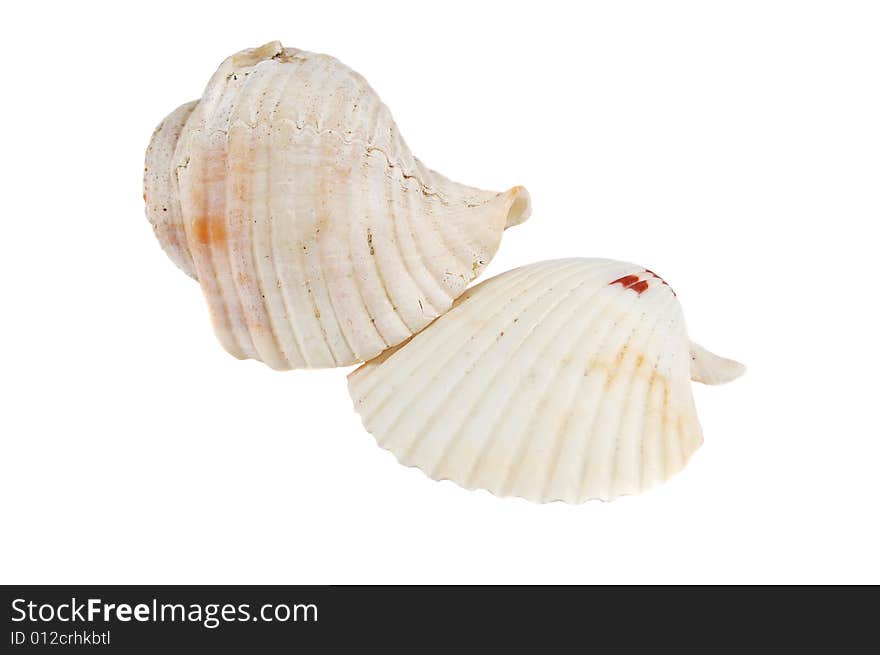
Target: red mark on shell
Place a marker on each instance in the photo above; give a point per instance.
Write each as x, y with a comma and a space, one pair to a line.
626, 281
632, 282
635, 283
648, 270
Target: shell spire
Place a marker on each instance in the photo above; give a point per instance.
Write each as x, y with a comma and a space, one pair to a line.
161, 194
319, 240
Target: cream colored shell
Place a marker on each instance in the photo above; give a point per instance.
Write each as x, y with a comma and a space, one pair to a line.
317, 237
161, 191
563, 380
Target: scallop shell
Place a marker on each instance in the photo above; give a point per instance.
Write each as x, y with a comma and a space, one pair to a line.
563, 380
317, 237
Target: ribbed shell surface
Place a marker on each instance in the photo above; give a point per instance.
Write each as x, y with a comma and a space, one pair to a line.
318, 239
161, 190
563, 380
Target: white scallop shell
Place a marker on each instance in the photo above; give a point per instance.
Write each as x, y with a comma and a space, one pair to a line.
563, 380
317, 237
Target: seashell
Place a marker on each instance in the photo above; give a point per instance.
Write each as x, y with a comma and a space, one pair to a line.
160, 189
317, 238
563, 380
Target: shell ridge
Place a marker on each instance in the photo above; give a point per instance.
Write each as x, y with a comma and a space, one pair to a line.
395, 237
683, 438
664, 437
214, 153
458, 264
290, 300
580, 438
665, 443
465, 235
391, 303
419, 393
281, 326
263, 81
203, 256
365, 334
599, 403
203, 260
160, 180
642, 460
220, 249
450, 229
695, 426
435, 307
388, 224
427, 261
493, 289
507, 483
455, 437
683, 451
670, 306
440, 367
415, 393
477, 462
286, 292
359, 282
648, 436
662, 312
319, 316
559, 436
604, 429
391, 317
242, 255
405, 176
681, 369
391, 163
318, 268
672, 447
390, 368
317, 298
592, 353
234, 234
585, 435
359, 287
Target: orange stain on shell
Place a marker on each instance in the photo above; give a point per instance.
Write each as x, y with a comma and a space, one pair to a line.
209, 230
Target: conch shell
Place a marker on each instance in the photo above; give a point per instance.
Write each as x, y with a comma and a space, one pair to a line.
563, 380
317, 237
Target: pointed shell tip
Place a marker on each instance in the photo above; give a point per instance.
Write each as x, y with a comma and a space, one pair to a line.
709, 368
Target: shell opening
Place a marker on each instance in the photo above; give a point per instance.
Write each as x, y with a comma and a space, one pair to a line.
520, 206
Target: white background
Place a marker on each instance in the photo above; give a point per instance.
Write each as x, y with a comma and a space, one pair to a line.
734, 147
